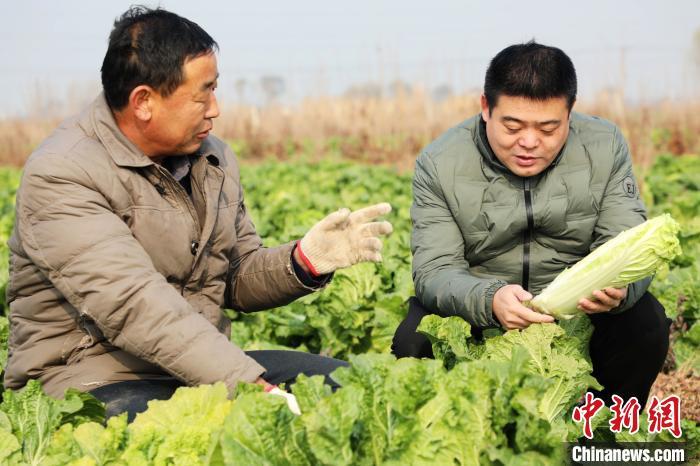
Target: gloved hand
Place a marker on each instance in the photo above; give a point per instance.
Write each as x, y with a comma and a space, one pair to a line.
344, 238
291, 399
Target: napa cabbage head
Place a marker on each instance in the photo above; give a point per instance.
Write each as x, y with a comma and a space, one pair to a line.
630, 256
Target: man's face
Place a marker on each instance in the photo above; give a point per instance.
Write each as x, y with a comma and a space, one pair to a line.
526, 135
181, 121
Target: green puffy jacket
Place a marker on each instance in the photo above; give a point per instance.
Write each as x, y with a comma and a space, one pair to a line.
478, 227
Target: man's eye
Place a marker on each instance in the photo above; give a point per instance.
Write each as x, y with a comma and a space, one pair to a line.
548, 131
512, 130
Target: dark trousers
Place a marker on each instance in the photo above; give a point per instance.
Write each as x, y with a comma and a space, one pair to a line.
627, 349
281, 367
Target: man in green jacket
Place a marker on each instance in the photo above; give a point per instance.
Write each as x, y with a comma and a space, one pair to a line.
508, 199
132, 234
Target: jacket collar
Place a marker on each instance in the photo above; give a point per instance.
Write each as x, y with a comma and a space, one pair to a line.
487, 154
120, 148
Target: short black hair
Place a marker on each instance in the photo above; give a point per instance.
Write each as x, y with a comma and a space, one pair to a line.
150, 46
530, 70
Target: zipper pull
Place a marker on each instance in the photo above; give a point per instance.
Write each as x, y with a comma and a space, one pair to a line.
160, 189
194, 247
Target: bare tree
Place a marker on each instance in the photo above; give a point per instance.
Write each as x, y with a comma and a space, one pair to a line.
273, 87
442, 92
367, 90
399, 88
241, 86
695, 51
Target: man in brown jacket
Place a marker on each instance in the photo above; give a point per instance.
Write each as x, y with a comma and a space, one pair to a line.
132, 234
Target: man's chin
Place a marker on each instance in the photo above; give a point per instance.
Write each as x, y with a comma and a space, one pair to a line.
525, 172
190, 148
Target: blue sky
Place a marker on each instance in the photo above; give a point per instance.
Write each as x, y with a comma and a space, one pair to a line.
54, 49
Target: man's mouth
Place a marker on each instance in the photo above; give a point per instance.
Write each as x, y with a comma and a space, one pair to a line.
525, 160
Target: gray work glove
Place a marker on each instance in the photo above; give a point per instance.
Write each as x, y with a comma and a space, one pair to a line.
345, 238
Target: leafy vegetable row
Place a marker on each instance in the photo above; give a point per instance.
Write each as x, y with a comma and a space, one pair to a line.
506, 400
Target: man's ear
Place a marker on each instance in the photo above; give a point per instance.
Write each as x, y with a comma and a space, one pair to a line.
485, 111
141, 100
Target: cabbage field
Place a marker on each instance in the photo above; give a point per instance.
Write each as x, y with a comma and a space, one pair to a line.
507, 399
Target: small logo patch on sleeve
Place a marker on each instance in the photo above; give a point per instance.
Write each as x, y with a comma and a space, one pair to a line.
629, 187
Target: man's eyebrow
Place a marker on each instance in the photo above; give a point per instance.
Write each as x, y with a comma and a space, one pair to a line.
209, 84
511, 119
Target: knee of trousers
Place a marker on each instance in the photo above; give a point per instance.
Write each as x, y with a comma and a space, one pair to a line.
655, 328
649, 338
653, 343
407, 342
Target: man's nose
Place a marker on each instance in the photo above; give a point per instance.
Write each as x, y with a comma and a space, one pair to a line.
529, 140
213, 110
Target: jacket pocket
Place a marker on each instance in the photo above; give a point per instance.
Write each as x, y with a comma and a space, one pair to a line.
581, 213
468, 213
226, 216
79, 343
581, 202
74, 347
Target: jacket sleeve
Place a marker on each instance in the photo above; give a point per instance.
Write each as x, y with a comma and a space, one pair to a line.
441, 274
621, 209
261, 278
70, 232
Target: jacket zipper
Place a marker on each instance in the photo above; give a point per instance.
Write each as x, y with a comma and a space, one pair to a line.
182, 197
527, 235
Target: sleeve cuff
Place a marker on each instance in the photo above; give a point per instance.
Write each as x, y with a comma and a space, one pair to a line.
250, 374
635, 291
306, 279
489, 293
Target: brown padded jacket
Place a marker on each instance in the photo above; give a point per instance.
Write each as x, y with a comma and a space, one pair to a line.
117, 274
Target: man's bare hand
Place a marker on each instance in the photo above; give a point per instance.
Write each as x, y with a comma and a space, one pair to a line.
508, 308
265, 384
604, 300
